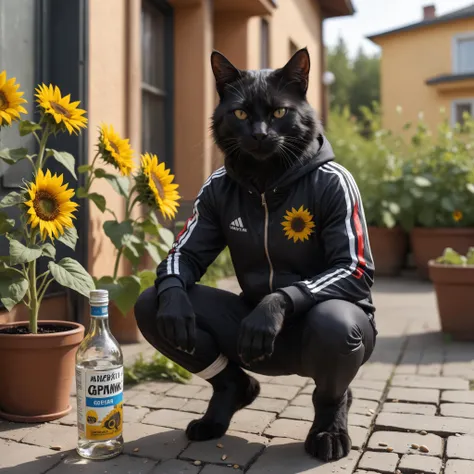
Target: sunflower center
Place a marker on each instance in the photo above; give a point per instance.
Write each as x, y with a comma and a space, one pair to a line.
159, 186
3, 101
46, 206
59, 109
298, 224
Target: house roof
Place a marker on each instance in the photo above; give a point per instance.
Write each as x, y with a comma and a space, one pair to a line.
444, 78
333, 8
467, 12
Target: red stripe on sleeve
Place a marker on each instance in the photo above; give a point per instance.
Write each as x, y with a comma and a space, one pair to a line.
360, 241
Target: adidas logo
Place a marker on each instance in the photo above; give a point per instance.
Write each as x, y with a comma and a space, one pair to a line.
237, 225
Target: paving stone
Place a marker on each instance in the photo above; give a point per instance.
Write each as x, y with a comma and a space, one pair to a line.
298, 413
401, 442
377, 371
134, 414
124, 464
420, 464
285, 428
70, 419
284, 457
19, 458
251, 421
155, 387
184, 391
302, 401
419, 381
285, 392
240, 448
175, 466
367, 394
460, 447
308, 390
360, 420
195, 380
372, 384
362, 407
128, 394
382, 462
50, 434
170, 418
195, 406
457, 466
462, 410
458, 396
441, 425
364, 472
415, 408
146, 399
153, 442
16, 431
274, 405
292, 380
260, 377
212, 469
414, 395
358, 436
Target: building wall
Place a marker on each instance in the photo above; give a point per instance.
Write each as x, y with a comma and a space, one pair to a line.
408, 60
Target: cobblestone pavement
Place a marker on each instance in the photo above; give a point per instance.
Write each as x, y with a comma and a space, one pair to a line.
413, 413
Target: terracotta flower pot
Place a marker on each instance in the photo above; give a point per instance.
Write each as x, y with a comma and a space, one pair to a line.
429, 244
36, 372
389, 249
454, 287
124, 328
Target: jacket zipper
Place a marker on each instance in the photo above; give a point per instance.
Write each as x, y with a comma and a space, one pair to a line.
265, 207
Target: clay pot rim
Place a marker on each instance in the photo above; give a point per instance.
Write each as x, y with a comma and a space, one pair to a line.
76, 328
435, 264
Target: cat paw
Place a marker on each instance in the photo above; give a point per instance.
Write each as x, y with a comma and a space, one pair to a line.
202, 430
328, 446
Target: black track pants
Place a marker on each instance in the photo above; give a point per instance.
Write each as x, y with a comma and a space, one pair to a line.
328, 344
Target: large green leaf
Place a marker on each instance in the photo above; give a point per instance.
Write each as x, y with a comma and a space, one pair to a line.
388, 219
98, 200
83, 169
422, 181
6, 224
470, 187
167, 236
66, 159
129, 241
12, 199
447, 203
116, 231
48, 250
26, 127
13, 287
126, 293
71, 274
19, 253
121, 184
69, 238
147, 279
153, 252
13, 155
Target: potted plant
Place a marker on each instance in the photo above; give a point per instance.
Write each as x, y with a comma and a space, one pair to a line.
37, 358
453, 278
139, 238
373, 156
437, 199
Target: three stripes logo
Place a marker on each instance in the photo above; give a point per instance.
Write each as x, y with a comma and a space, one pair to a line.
237, 225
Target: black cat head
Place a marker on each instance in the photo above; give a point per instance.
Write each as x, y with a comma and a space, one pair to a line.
263, 114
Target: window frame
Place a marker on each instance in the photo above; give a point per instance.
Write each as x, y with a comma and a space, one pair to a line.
454, 50
168, 92
456, 102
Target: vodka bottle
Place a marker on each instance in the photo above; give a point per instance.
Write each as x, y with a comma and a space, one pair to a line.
99, 386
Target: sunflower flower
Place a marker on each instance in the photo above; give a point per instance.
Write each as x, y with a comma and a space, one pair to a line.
457, 216
298, 224
10, 100
50, 206
115, 150
60, 110
155, 186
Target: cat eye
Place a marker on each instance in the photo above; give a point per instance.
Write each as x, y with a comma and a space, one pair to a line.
240, 114
279, 113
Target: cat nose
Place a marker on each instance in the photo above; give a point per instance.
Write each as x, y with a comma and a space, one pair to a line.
259, 136
259, 131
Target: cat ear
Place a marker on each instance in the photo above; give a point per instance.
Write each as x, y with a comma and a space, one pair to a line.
224, 71
297, 68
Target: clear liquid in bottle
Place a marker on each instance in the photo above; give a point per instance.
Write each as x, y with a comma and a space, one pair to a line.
99, 386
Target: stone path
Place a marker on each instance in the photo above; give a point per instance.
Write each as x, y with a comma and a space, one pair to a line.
413, 413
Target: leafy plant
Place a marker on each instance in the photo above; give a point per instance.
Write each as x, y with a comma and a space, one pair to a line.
158, 368
137, 235
45, 204
451, 257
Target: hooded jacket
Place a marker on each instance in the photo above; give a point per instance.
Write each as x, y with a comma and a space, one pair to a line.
306, 236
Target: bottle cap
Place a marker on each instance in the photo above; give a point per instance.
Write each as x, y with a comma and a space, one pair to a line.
99, 297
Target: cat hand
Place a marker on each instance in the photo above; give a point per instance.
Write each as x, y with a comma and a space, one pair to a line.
260, 328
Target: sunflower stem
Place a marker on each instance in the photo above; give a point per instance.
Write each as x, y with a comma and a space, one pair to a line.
113, 213
117, 261
42, 147
43, 290
34, 307
132, 205
91, 176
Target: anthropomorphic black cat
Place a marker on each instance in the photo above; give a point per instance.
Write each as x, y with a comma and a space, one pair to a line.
294, 223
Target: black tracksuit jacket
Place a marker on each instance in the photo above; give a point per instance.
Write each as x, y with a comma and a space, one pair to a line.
320, 198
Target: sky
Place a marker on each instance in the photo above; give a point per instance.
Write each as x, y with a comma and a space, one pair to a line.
375, 16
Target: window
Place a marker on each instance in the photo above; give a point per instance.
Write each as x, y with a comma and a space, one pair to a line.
293, 48
157, 70
459, 108
264, 44
463, 54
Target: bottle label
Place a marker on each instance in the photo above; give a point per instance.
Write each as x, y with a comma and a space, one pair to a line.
99, 403
100, 311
